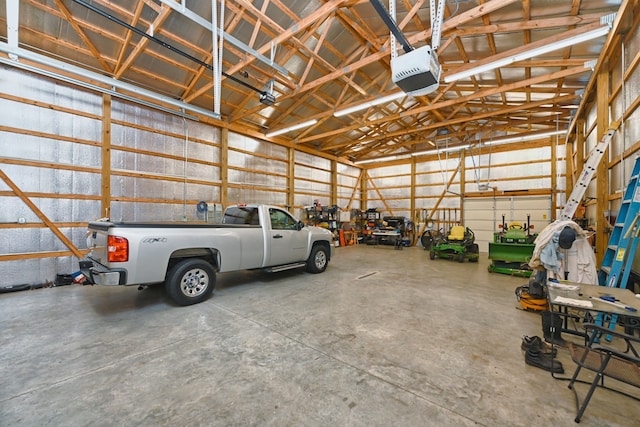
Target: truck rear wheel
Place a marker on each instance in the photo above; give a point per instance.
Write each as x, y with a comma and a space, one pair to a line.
318, 259
190, 281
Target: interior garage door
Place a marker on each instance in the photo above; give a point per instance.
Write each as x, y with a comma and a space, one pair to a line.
484, 215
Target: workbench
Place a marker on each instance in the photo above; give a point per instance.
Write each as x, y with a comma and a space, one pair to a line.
389, 236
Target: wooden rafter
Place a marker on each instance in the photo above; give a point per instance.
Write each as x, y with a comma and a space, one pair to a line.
338, 57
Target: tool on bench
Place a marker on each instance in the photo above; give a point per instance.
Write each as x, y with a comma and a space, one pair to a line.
611, 300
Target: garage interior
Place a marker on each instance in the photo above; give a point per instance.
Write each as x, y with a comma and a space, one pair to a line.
161, 110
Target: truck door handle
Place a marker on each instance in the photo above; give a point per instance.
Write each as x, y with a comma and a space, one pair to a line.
278, 236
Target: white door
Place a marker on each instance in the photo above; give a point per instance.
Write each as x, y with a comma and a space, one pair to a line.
484, 215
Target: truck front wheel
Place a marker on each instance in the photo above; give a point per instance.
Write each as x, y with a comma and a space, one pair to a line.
318, 259
190, 281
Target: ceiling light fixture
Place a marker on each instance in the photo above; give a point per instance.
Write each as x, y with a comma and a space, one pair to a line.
368, 104
526, 137
531, 53
293, 127
442, 150
457, 148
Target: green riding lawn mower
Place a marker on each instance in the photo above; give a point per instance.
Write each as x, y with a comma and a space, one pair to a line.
458, 244
512, 248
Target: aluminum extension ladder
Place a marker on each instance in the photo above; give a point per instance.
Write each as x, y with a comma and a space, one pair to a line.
588, 172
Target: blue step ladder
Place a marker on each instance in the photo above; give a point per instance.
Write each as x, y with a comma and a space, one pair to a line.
623, 242
620, 250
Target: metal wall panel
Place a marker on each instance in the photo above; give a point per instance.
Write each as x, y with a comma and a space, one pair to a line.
237, 195
348, 180
47, 147
312, 178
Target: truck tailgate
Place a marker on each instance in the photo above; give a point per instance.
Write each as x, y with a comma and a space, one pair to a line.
97, 235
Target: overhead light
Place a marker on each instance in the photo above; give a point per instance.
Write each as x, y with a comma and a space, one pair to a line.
526, 137
442, 150
368, 104
290, 128
531, 53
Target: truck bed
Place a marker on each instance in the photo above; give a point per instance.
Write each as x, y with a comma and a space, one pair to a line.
105, 225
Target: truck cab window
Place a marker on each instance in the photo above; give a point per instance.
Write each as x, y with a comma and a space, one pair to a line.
280, 220
241, 215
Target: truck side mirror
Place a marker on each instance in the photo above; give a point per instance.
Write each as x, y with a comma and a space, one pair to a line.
299, 225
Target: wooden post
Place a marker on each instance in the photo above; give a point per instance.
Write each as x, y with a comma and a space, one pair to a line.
224, 167
579, 164
602, 174
291, 177
105, 201
412, 208
554, 177
463, 184
363, 189
334, 183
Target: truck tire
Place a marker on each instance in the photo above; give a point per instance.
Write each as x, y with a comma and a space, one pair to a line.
190, 281
318, 259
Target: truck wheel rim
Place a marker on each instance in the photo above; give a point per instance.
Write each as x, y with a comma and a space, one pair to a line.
194, 282
320, 259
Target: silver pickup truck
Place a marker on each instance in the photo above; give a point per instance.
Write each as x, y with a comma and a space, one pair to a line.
186, 256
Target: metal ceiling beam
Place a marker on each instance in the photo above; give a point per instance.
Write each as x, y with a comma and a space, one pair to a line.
182, 9
12, 22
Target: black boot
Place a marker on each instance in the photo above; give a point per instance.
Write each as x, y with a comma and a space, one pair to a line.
535, 343
543, 361
552, 328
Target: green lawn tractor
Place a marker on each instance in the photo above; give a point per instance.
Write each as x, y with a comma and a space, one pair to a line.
512, 248
458, 245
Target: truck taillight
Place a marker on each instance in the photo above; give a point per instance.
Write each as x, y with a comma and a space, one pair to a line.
117, 249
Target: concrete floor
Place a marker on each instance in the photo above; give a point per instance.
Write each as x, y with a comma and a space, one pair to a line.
383, 337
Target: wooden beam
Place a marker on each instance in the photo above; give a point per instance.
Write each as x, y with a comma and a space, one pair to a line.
363, 189
142, 44
39, 255
319, 14
334, 183
41, 215
412, 196
105, 204
602, 177
355, 188
554, 178
224, 167
450, 102
94, 51
540, 43
463, 183
384, 202
291, 176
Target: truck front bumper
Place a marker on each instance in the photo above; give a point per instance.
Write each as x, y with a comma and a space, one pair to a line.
101, 275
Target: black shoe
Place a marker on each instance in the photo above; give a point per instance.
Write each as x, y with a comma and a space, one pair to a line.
535, 343
543, 361
552, 328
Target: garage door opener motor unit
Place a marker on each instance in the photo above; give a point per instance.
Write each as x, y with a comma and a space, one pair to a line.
417, 72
